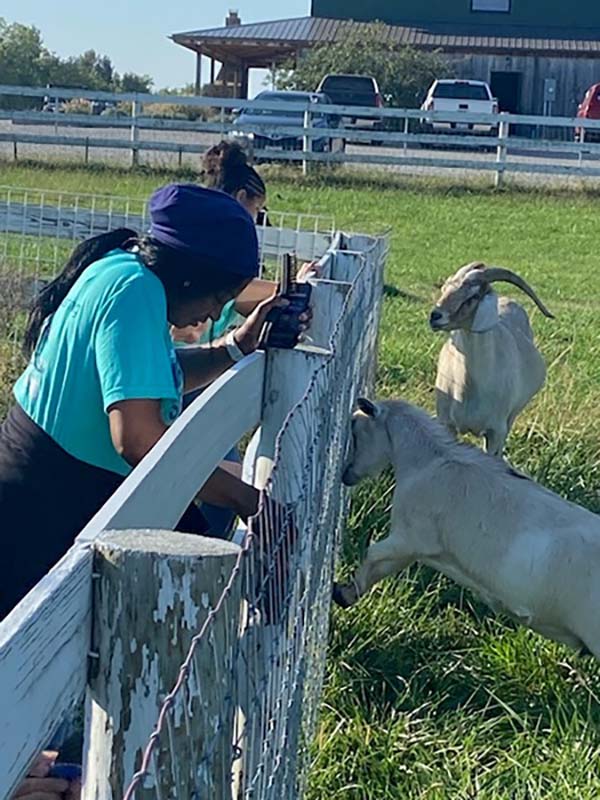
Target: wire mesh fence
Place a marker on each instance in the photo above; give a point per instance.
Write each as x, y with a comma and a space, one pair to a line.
269, 667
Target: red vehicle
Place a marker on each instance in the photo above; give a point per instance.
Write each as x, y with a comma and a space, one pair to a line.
589, 108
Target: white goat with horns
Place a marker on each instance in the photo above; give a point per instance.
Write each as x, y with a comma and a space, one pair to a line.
489, 368
523, 549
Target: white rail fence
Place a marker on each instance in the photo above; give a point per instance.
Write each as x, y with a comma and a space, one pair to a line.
552, 150
122, 613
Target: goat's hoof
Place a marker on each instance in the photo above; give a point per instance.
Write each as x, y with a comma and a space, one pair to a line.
339, 597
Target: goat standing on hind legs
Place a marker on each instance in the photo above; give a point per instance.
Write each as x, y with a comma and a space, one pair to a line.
523, 549
489, 368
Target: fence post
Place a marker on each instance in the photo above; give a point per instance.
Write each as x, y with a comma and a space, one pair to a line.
503, 131
87, 150
154, 590
134, 133
15, 151
306, 142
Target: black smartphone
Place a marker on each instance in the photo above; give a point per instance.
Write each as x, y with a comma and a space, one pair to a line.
282, 328
68, 772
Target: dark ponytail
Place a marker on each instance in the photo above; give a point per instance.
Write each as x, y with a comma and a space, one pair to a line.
225, 167
52, 295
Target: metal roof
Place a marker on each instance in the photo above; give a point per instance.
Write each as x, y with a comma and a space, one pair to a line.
310, 31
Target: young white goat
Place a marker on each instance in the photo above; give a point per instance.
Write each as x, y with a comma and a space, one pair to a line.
489, 368
523, 549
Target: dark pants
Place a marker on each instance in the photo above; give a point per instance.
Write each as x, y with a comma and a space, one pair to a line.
46, 497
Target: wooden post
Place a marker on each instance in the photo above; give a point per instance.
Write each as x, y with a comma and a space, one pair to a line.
245, 76
153, 591
198, 80
15, 151
87, 150
306, 142
134, 133
503, 131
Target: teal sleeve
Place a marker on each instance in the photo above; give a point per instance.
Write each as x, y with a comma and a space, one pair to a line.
134, 356
229, 319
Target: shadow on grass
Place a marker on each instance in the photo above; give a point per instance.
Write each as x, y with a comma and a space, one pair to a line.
456, 657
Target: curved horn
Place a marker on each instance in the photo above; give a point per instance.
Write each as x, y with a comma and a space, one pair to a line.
491, 274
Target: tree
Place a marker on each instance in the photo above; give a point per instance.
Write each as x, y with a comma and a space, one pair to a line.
25, 61
403, 73
21, 52
130, 82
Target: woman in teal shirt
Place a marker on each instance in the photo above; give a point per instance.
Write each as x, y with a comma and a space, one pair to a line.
104, 383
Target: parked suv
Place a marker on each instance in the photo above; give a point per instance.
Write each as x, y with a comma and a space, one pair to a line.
353, 90
589, 108
251, 123
474, 97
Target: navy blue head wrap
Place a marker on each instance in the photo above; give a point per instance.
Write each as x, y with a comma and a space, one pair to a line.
207, 224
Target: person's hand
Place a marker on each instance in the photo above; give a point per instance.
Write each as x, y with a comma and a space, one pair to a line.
248, 334
38, 786
191, 334
310, 269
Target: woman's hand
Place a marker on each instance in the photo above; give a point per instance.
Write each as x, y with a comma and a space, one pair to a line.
310, 269
191, 334
38, 786
248, 334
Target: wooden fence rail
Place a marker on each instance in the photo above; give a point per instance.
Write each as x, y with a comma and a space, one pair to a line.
393, 128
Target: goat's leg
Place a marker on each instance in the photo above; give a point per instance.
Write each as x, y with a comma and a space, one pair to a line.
383, 558
494, 441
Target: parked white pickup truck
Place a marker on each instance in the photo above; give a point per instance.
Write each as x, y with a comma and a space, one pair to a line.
474, 97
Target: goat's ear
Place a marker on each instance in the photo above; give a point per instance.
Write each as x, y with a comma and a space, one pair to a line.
368, 407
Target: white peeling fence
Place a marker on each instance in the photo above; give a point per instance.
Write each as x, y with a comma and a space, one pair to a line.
203, 660
404, 138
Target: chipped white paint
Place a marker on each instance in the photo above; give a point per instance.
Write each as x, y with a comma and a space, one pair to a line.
143, 708
43, 646
162, 584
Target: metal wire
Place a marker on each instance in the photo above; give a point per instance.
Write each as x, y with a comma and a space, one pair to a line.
285, 569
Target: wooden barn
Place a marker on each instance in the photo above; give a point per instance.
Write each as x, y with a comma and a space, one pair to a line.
539, 56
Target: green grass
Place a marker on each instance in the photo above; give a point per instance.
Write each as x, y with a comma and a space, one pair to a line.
428, 694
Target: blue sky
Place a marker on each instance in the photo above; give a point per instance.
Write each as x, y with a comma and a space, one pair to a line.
134, 32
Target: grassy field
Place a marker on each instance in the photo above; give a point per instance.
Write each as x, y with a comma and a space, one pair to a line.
428, 694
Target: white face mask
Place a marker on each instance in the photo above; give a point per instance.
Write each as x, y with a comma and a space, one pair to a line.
486, 317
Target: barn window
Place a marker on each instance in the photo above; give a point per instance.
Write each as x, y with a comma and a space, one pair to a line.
491, 5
